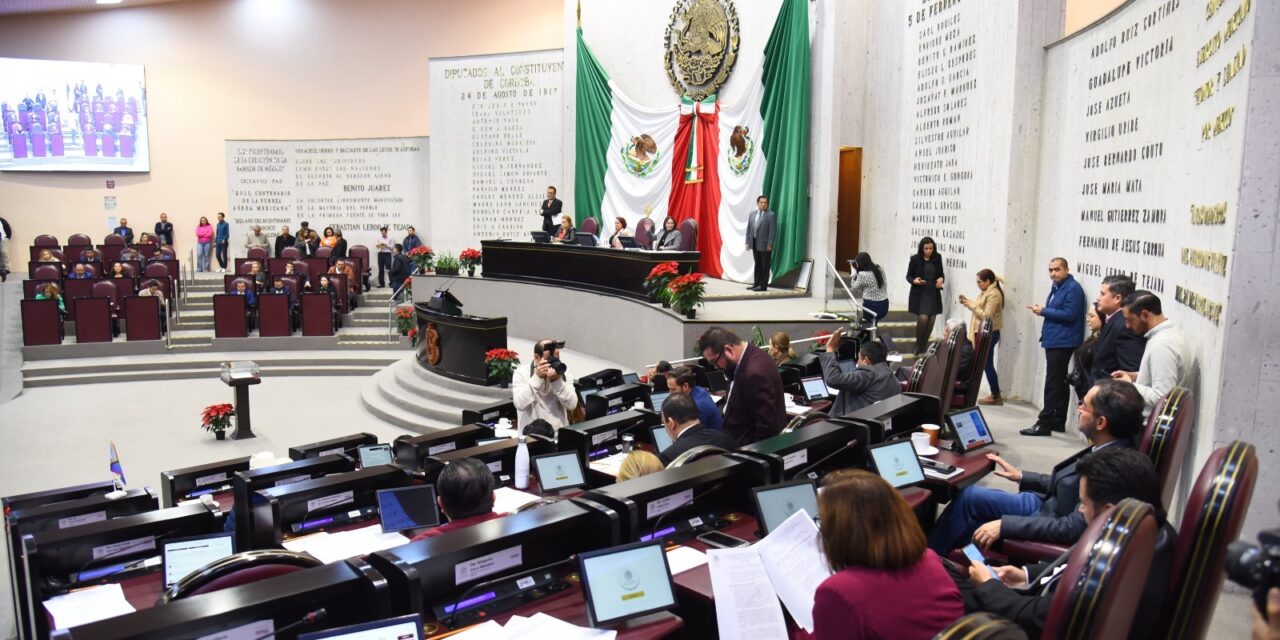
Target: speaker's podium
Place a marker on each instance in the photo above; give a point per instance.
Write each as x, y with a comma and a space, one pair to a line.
452, 343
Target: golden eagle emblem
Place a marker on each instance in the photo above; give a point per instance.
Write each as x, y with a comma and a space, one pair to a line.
701, 45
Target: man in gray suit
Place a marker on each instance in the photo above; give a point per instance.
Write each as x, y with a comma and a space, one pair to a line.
871, 381
762, 226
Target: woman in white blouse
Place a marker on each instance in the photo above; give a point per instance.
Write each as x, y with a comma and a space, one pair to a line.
868, 284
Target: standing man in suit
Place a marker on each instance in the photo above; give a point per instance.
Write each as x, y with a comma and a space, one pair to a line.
1044, 508
754, 409
680, 419
164, 229
1062, 332
762, 227
871, 381
401, 267
551, 211
283, 239
1025, 594
124, 231
221, 241
1117, 348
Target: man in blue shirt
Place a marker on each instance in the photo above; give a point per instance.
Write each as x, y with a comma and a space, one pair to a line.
411, 240
1062, 332
683, 380
222, 238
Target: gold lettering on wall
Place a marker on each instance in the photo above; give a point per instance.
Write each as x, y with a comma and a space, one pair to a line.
1209, 213
1212, 7
1218, 125
1200, 304
1207, 260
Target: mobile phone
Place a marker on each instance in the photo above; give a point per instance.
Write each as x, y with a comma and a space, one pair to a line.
722, 540
975, 556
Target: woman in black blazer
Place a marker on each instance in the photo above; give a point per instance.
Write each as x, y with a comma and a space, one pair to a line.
927, 278
565, 234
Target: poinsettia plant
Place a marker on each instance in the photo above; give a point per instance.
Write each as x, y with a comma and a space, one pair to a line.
687, 292
413, 336
501, 364
405, 319
422, 257
216, 418
469, 258
821, 342
659, 278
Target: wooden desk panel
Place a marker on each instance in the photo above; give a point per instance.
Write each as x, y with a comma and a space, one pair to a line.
614, 271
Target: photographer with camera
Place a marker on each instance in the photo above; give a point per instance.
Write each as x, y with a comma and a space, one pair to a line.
1257, 568
541, 391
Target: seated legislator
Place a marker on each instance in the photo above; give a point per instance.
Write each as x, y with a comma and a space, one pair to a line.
1025, 594
46, 256
80, 272
539, 392
565, 233
1045, 507
250, 303
1117, 348
90, 255
755, 409
130, 254
259, 276
869, 382
164, 253
668, 239
619, 231
639, 463
52, 292
887, 583
684, 380
152, 290
464, 492
304, 281
680, 419
962, 343
1166, 361
117, 270
278, 286
353, 283
780, 348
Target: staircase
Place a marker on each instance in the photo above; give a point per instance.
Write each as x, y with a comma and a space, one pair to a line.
407, 395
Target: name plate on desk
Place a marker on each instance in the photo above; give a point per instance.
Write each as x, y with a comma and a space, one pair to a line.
795, 459
329, 501
291, 479
210, 479
251, 631
476, 568
668, 504
124, 547
84, 518
603, 437
442, 448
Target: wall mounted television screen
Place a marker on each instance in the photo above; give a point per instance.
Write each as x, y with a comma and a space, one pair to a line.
73, 116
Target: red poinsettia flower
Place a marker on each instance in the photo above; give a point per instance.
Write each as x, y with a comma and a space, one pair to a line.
470, 255
664, 270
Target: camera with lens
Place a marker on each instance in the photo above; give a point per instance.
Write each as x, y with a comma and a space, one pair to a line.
1256, 567
549, 350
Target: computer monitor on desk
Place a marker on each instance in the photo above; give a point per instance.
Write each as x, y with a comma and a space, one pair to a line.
345, 444
810, 451
315, 505
408, 508
182, 556
684, 501
245, 483
601, 437
411, 452
401, 628
615, 399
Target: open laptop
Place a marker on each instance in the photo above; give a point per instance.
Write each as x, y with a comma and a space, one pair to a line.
717, 382
657, 399
559, 471
373, 455
897, 463
182, 556
631, 378
814, 388
401, 628
408, 508
775, 503
628, 242
541, 237
847, 366
970, 428
626, 582
661, 440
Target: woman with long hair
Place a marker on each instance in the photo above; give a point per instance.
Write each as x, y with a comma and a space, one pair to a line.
329, 239
927, 278
988, 306
868, 285
887, 582
204, 244
669, 237
780, 348
565, 234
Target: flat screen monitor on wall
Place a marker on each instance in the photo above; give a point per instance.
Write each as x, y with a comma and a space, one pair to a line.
73, 116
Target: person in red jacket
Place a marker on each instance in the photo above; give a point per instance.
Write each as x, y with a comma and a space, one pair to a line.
464, 492
754, 409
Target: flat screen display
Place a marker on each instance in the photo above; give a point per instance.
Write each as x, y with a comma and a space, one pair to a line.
814, 388
403, 628
187, 555
657, 399
558, 471
847, 366
971, 428
897, 463
630, 378
408, 508
661, 440
779, 502
374, 455
626, 582
73, 116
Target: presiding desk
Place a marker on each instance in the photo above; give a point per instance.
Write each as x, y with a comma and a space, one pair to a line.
454, 345
615, 271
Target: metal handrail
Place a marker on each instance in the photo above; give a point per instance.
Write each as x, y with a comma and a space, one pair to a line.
168, 326
696, 358
391, 306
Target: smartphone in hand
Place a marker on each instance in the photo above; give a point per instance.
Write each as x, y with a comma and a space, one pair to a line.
975, 556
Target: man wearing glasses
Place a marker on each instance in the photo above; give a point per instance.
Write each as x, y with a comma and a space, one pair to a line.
1046, 507
754, 409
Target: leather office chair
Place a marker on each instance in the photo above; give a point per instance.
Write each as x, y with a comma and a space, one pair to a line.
246, 268
589, 226
300, 267
46, 241
129, 270
805, 419
46, 272
695, 454
324, 252
1213, 516
982, 626
155, 270
79, 240
966, 391
257, 253
1098, 591
58, 253
107, 289
291, 252
366, 268
644, 233
113, 239
92, 268
238, 569
1165, 438
688, 235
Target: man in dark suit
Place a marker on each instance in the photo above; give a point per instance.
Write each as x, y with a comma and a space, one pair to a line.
164, 229
754, 409
401, 266
1117, 348
762, 227
1025, 594
871, 381
1044, 508
124, 231
283, 239
551, 208
680, 418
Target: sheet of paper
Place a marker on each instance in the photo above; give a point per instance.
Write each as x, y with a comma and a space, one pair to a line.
609, 464
251, 631
792, 555
490, 630
332, 547
542, 625
746, 606
507, 500
87, 605
682, 559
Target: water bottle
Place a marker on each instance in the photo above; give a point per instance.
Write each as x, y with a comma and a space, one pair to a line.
522, 464
628, 443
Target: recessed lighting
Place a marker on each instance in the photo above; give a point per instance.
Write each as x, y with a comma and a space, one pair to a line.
110, 1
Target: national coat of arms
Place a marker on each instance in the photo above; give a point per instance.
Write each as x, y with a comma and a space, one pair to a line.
701, 45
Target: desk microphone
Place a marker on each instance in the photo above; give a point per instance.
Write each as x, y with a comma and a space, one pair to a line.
457, 605
310, 618
657, 524
848, 445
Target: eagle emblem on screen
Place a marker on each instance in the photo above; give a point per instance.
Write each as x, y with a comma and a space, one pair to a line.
702, 46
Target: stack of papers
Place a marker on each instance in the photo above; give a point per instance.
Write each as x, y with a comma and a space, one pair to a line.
609, 465
540, 625
507, 500
682, 559
332, 547
87, 605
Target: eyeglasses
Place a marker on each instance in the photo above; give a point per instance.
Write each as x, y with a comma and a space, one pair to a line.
1086, 409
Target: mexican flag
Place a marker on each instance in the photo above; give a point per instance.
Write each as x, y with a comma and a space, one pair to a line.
705, 160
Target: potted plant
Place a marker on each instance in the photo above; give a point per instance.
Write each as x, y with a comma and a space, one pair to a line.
413, 337
686, 293
422, 258
821, 342
405, 319
447, 265
217, 418
659, 277
501, 364
469, 259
